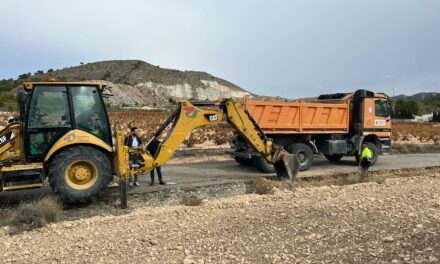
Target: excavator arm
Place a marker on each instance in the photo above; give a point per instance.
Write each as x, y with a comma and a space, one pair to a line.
189, 116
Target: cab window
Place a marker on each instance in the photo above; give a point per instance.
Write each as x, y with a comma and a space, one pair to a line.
381, 108
89, 111
47, 121
49, 107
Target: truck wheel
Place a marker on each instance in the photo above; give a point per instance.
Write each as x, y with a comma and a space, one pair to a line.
243, 161
79, 174
333, 157
261, 164
304, 154
374, 152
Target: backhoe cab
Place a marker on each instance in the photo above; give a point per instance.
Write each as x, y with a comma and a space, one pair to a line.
63, 134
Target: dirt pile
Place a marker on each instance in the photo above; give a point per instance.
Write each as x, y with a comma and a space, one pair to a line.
397, 221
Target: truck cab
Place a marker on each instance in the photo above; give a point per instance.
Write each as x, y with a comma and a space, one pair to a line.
371, 118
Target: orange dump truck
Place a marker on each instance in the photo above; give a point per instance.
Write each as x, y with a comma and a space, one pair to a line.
333, 124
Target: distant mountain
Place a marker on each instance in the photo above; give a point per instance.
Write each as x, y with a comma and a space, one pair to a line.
136, 83
417, 97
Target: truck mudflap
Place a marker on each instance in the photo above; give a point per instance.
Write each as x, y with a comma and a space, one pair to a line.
287, 167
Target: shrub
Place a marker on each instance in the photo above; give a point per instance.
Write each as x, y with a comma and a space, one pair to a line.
190, 141
106, 75
35, 214
191, 200
50, 207
266, 186
261, 186
27, 216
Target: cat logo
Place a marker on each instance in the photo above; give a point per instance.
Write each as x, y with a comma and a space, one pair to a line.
211, 117
3, 139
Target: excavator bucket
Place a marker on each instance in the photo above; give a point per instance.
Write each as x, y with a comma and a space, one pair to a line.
287, 167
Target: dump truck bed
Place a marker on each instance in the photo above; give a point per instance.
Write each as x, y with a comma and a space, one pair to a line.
300, 117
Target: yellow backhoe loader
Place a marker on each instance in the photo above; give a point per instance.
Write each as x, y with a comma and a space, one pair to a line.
63, 134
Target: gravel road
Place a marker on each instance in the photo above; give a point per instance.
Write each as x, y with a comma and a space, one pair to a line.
397, 221
190, 173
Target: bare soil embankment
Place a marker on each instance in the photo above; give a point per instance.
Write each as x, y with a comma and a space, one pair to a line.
397, 221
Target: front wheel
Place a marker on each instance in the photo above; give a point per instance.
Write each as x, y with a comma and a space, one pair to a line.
79, 174
261, 164
243, 161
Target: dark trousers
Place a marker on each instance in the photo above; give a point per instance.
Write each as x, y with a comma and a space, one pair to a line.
134, 160
365, 165
159, 174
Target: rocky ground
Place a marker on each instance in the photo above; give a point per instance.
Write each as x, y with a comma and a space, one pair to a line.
392, 221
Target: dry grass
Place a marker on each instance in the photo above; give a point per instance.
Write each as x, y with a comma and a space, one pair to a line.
419, 132
34, 214
191, 200
51, 208
263, 185
147, 122
404, 148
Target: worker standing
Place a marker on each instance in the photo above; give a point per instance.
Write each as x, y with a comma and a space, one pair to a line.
133, 141
366, 156
152, 147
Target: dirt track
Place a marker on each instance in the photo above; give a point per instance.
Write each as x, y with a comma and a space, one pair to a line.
189, 173
397, 221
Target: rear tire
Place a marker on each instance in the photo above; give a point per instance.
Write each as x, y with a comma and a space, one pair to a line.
374, 152
333, 157
303, 153
79, 174
244, 162
261, 164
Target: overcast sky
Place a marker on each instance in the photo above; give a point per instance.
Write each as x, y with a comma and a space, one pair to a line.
288, 48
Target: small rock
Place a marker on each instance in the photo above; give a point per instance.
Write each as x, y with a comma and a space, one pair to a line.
388, 239
153, 242
394, 261
188, 260
419, 226
433, 259
276, 257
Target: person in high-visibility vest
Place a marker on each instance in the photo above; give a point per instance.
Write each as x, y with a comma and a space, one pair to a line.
366, 156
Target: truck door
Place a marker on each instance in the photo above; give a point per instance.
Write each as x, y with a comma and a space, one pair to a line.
377, 116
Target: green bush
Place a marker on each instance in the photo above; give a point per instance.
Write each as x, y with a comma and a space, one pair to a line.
406, 109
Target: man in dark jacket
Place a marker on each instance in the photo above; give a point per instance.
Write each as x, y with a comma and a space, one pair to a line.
152, 147
132, 141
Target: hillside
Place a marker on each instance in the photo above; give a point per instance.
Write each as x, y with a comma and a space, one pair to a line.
136, 83
416, 97
137, 78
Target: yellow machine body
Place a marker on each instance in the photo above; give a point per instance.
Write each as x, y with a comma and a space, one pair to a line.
73, 147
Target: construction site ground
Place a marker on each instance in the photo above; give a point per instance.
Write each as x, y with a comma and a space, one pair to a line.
212, 169
392, 218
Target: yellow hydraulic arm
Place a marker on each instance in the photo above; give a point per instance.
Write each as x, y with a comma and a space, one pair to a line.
187, 117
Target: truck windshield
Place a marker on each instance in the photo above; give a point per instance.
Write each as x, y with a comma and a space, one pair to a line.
381, 108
